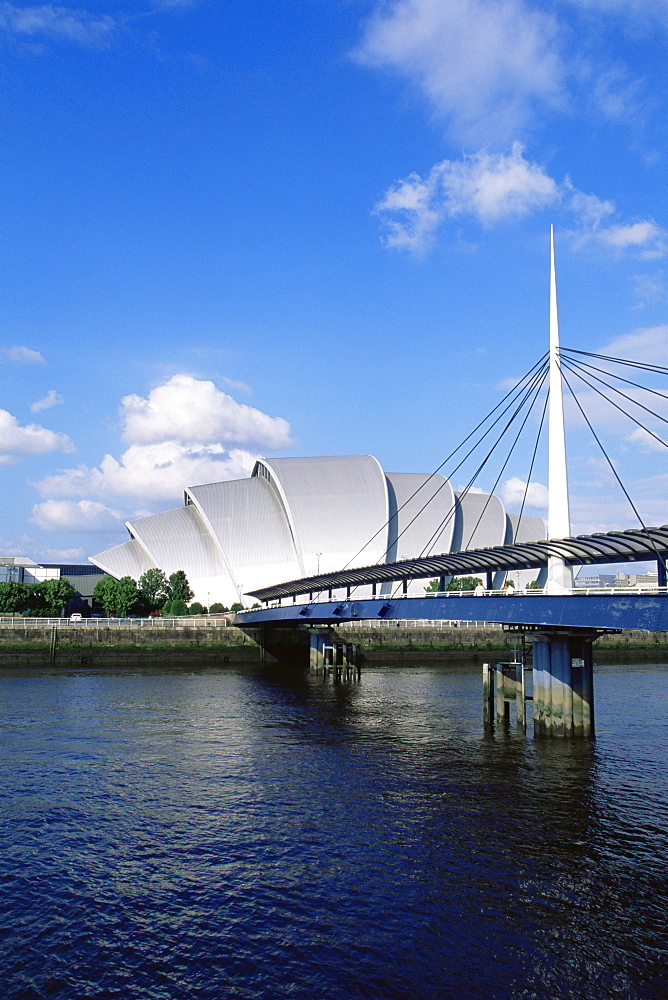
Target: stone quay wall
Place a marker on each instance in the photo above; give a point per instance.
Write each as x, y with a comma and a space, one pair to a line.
90, 644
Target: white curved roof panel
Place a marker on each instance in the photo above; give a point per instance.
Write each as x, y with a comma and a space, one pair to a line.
247, 520
422, 514
127, 559
335, 507
178, 539
529, 529
480, 522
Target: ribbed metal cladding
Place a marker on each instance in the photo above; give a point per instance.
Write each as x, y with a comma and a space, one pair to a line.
177, 539
338, 507
247, 520
128, 559
481, 521
422, 514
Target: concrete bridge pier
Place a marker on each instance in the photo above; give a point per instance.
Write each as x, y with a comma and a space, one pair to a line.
563, 689
503, 686
329, 653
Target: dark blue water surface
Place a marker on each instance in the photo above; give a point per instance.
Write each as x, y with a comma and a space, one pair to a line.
247, 832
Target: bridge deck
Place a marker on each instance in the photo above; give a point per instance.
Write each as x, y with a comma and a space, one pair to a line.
648, 612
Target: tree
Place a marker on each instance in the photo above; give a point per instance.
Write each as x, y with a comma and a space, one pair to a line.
534, 585
197, 609
126, 596
105, 594
464, 583
51, 597
179, 588
218, 609
237, 607
174, 609
14, 598
433, 587
154, 588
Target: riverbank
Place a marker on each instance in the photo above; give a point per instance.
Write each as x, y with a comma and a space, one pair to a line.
109, 644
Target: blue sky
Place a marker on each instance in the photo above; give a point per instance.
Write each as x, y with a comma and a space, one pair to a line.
307, 227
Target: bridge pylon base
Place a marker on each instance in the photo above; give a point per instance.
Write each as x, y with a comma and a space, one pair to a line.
329, 653
563, 685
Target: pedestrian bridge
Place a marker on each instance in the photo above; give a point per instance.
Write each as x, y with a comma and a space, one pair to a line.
562, 625
602, 610
313, 599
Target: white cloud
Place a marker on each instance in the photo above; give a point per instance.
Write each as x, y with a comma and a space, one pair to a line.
60, 555
191, 410
84, 515
185, 432
648, 288
23, 355
633, 10
490, 187
497, 187
52, 398
493, 68
512, 494
17, 441
483, 64
152, 472
61, 23
234, 383
645, 236
648, 443
649, 345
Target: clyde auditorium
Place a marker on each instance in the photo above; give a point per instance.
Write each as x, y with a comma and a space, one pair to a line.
296, 517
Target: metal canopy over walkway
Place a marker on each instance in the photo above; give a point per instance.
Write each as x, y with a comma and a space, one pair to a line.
634, 545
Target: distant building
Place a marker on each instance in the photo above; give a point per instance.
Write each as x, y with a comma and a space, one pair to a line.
83, 576
646, 581
296, 517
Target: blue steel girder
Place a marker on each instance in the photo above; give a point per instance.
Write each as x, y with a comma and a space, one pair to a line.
648, 612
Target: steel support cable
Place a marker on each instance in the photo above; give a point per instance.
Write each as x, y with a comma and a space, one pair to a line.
537, 376
660, 559
641, 365
516, 390
636, 385
540, 374
534, 387
537, 381
533, 458
630, 416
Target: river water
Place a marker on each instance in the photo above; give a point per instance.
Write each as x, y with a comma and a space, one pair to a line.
249, 832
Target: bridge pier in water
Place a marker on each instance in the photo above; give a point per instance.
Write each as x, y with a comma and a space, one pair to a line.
330, 653
563, 688
563, 684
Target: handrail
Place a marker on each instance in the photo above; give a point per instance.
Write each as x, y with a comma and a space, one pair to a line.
524, 592
187, 621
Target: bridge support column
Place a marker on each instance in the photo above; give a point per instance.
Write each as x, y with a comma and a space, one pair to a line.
327, 650
503, 685
563, 691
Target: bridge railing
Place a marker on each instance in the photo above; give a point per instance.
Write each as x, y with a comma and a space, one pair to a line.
439, 623
523, 591
187, 621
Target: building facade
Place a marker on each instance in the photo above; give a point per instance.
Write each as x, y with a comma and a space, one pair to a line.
297, 517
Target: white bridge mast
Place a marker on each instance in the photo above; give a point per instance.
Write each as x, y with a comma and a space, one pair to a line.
559, 575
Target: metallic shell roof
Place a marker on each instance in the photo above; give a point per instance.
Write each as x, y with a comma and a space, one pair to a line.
127, 559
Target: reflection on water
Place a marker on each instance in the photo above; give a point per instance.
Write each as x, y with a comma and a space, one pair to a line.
246, 832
